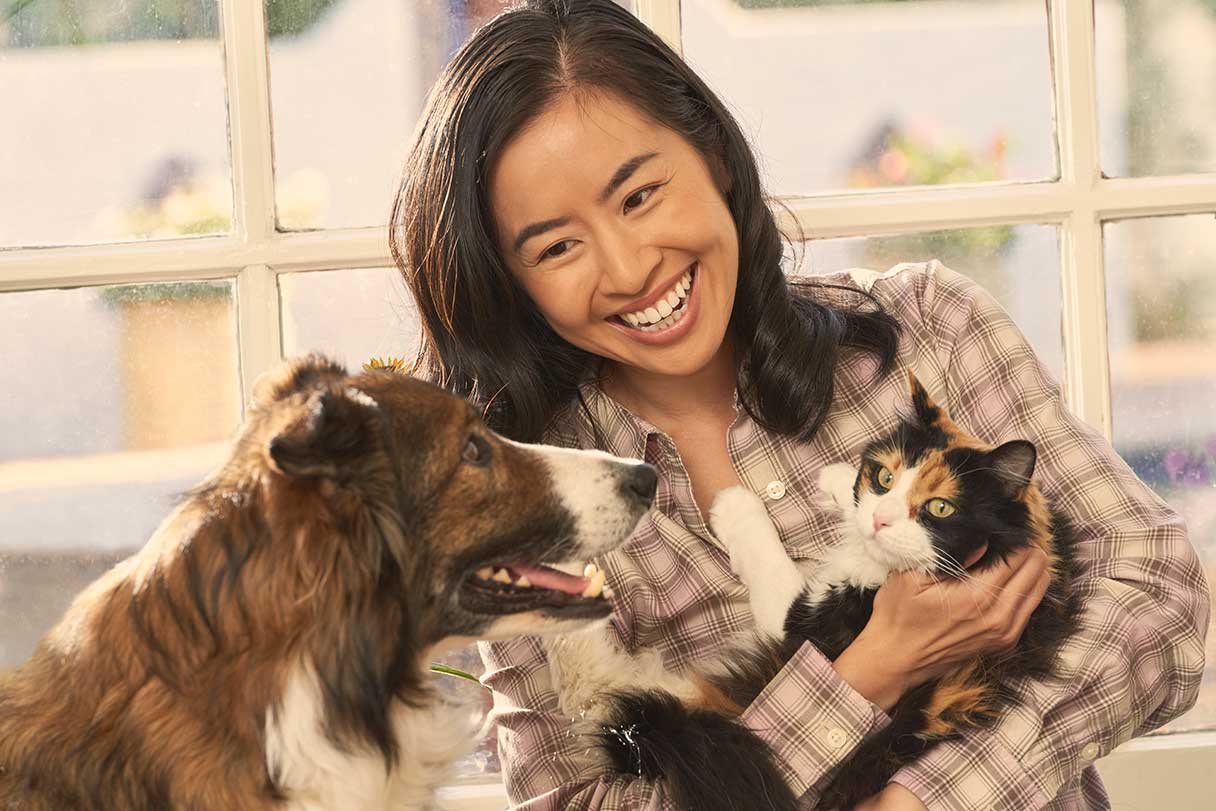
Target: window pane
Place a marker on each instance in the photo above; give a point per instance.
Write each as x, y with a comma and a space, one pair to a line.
1156, 91
1161, 303
1018, 264
351, 315
97, 435
853, 95
349, 80
115, 122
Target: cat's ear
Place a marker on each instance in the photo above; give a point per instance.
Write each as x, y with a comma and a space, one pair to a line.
928, 413
1013, 464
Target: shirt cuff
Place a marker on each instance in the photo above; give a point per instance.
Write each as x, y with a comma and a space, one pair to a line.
811, 718
953, 777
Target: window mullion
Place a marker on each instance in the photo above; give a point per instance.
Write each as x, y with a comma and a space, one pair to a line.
249, 119
663, 17
1071, 26
258, 325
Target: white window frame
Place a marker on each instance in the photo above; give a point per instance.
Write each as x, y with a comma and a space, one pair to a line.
1078, 204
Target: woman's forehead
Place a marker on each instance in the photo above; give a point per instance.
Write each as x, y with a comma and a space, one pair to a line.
571, 151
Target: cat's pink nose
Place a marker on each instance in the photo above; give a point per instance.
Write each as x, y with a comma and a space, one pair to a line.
880, 522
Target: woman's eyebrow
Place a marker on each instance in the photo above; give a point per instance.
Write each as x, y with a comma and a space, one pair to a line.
537, 228
623, 173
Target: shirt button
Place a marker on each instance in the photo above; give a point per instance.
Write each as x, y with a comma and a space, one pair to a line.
775, 489
832, 736
1090, 751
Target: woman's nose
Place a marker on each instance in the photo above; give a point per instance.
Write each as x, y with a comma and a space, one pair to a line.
627, 265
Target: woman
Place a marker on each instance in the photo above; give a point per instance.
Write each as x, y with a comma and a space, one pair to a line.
570, 174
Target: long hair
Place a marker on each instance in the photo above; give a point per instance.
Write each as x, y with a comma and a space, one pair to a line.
482, 337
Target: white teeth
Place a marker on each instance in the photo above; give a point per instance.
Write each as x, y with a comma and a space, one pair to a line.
590, 569
662, 308
485, 573
524, 582
501, 576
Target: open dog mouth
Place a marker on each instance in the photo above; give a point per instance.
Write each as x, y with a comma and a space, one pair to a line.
517, 587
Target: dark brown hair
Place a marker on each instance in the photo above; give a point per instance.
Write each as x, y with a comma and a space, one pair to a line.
482, 337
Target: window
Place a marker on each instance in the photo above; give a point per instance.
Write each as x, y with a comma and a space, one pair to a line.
139, 246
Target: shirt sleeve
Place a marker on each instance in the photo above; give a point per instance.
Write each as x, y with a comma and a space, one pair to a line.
1138, 657
810, 717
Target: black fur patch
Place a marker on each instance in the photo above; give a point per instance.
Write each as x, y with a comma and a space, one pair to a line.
707, 762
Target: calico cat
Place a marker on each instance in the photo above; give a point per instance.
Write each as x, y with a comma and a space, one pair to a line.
927, 497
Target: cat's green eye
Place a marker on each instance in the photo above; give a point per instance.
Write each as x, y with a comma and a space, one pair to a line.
940, 508
885, 479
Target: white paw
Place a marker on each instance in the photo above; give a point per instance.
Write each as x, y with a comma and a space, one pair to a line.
735, 511
837, 482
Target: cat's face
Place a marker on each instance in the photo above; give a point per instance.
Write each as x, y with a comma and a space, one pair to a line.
929, 495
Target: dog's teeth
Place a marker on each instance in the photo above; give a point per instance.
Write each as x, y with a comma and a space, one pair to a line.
524, 582
485, 573
501, 576
590, 569
596, 588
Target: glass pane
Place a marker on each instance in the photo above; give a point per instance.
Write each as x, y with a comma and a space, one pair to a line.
1018, 264
1161, 303
1156, 87
841, 95
116, 126
98, 436
350, 315
349, 80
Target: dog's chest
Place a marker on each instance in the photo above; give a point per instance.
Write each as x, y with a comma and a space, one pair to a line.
316, 775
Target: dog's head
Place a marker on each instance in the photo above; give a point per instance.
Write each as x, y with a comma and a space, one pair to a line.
478, 534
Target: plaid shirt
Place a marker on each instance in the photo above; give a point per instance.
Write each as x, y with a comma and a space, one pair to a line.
1135, 664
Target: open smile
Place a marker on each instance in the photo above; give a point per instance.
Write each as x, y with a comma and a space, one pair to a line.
670, 318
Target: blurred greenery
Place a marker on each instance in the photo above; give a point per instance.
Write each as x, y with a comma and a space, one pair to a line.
1166, 309
40, 23
164, 292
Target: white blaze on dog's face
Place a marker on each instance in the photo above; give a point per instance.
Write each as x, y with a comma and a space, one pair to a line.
509, 527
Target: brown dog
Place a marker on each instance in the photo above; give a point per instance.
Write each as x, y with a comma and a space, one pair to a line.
268, 647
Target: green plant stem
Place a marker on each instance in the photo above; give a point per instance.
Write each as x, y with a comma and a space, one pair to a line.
460, 674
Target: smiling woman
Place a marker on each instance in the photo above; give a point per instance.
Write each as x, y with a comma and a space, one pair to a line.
583, 226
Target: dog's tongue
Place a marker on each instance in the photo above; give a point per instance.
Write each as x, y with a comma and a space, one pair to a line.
552, 579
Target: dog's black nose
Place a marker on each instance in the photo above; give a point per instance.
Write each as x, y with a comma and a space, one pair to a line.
640, 482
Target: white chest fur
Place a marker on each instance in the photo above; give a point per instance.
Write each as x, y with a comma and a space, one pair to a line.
317, 776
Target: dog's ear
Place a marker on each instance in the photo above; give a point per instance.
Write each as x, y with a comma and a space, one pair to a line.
294, 375
334, 429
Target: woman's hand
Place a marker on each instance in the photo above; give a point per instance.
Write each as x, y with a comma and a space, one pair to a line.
921, 627
892, 798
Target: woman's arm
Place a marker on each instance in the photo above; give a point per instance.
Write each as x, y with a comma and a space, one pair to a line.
808, 715
1137, 660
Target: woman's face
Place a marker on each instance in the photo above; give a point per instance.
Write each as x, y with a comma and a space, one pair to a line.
617, 230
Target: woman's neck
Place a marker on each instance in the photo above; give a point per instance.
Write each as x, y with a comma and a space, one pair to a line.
666, 401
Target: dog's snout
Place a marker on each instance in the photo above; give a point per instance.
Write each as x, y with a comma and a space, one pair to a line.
639, 482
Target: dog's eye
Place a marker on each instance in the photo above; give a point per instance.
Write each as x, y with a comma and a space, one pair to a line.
476, 451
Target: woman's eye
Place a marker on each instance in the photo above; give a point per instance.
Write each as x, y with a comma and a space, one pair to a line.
885, 479
558, 249
639, 197
940, 508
